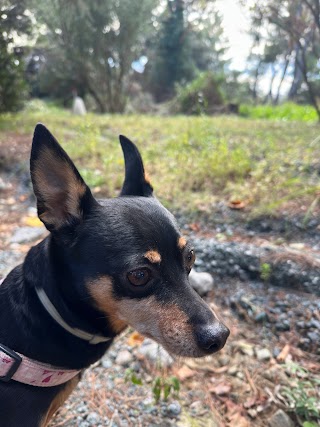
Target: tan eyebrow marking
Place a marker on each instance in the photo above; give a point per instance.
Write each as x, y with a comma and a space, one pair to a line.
153, 256
182, 242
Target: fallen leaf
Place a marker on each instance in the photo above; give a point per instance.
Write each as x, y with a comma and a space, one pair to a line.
135, 339
250, 402
220, 389
185, 373
33, 221
236, 204
194, 226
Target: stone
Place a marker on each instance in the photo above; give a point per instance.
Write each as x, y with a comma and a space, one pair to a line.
78, 106
174, 409
106, 363
202, 283
27, 234
261, 317
93, 418
124, 358
155, 353
280, 419
263, 354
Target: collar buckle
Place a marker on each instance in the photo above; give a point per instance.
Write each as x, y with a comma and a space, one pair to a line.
14, 367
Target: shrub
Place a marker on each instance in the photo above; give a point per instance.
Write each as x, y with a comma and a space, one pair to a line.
202, 96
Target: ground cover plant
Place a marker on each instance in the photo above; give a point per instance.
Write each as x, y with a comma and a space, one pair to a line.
194, 162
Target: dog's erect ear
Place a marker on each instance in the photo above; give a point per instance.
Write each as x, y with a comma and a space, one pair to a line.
135, 183
63, 198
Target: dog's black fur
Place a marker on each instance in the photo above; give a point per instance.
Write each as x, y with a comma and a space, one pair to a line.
105, 265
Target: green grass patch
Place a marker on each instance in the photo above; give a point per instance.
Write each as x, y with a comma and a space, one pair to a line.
193, 162
286, 112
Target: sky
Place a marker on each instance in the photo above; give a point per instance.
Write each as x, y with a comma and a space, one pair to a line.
235, 23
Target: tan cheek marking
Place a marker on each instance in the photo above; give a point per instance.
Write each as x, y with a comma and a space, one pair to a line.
101, 292
182, 243
59, 399
153, 256
147, 178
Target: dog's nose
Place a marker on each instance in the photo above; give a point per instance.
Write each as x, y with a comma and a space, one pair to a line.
212, 337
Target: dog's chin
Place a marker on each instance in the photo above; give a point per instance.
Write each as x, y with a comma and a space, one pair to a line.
181, 351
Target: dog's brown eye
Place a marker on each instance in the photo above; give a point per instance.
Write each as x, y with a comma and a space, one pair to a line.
139, 277
191, 257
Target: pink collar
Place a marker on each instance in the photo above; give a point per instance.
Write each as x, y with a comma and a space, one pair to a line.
24, 370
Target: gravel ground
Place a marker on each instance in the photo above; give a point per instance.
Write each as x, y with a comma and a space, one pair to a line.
238, 387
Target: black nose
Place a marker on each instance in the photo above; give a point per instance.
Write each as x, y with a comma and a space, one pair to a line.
212, 337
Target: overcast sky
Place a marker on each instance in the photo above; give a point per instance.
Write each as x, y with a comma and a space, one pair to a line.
235, 24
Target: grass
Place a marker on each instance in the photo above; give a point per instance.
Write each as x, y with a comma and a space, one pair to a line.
286, 112
194, 162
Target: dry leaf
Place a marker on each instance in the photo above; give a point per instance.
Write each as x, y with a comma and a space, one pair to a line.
185, 373
33, 221
220, 389
135, 339
236, 204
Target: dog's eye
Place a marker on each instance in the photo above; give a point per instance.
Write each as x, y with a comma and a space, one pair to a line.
191, 257
139, 277
190, 260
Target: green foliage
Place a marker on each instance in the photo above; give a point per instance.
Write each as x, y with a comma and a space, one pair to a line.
14, 22
131, 376
287, 111
190, 40
172, 60
265, 271
90, 47
201, 96
304, 393
163, 387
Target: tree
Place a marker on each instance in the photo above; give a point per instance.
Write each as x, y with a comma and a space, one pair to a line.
297, 29
14, 23
90, 46
190, 40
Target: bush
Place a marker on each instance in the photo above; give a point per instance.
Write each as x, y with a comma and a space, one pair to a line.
202, 96
12, 85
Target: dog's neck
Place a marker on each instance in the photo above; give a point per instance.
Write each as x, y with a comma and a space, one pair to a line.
42, 338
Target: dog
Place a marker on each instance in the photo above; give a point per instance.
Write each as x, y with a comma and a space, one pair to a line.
105, 265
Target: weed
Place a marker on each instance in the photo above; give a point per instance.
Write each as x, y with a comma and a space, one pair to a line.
265, 271
163, 387
304, 393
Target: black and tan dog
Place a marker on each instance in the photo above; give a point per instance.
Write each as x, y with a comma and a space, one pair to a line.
105, 265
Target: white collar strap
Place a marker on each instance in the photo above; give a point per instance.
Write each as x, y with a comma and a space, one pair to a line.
47, 304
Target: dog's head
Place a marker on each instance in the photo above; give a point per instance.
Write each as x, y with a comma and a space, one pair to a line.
125, 257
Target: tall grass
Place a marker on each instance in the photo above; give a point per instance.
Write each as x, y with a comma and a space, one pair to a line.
193, 162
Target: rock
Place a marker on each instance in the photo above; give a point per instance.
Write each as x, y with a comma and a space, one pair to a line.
201, 282
283, 326
263, 354
27, 234
106, 363
261, 317
78, 106
280, 419
124, 358
155, 353
174, 409
93, 418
